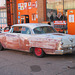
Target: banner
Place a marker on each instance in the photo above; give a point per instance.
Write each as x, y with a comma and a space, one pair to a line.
21, 6
60, 25
59, 22
25, 5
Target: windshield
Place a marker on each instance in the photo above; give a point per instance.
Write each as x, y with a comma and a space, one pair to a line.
44, 30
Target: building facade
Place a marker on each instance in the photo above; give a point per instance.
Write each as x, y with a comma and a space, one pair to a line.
3, 14
26, 11
31, 11
38, 11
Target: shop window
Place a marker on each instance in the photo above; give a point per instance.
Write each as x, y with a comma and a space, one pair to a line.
33, 17
56, 9
57, 13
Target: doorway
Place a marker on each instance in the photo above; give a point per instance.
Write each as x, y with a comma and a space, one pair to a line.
27, 18
24, 18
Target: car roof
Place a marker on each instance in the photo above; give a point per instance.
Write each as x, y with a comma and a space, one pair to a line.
32, 25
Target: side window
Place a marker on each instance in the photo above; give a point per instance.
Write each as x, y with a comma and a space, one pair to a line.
16, 29
25, 30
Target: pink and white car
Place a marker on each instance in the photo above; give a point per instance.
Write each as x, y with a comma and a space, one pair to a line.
37, 38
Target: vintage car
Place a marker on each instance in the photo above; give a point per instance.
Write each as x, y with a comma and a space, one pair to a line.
38, 38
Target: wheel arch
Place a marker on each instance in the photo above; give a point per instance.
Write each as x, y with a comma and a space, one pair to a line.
32, 49
1, 46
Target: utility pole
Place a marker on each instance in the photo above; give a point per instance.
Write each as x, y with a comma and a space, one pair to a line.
63, 15
63, 8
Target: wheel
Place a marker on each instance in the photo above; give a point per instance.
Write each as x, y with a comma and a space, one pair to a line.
38, 52
1, 47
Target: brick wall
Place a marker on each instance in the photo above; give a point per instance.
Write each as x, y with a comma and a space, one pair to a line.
41, 10
45, 18
14, 12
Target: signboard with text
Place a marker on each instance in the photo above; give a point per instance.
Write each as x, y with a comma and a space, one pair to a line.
60, 25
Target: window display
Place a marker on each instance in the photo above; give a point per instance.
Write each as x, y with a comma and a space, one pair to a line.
57, 12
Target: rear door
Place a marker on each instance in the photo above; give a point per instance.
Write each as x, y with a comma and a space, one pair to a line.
24, 36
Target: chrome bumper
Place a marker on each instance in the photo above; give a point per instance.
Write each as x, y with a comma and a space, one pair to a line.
65, 50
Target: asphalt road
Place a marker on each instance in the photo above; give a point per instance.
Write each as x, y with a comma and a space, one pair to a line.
22, 63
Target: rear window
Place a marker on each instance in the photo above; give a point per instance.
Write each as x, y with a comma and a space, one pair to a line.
44, 30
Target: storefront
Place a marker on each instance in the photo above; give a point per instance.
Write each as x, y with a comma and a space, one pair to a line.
26, 11
30, 11
41, 11
59, 8
61, 12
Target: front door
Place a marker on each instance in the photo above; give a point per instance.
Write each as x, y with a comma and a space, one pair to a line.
13, 39
27, 18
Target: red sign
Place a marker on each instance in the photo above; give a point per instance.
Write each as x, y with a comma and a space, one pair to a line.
60, 25
33, 5
59, 22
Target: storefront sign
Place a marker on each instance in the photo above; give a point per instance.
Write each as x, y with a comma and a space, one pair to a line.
29, 5
59, 22
33, 5
36, 4
25, 5
60, 25
71, 18
21, 6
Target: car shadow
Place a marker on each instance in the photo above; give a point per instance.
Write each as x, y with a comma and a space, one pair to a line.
66, 56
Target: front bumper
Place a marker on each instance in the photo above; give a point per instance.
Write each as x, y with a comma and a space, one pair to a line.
65, 50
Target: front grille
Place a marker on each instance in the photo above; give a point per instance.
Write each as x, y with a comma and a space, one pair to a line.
68, 48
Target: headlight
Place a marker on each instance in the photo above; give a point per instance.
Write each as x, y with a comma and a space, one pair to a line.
60, 45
